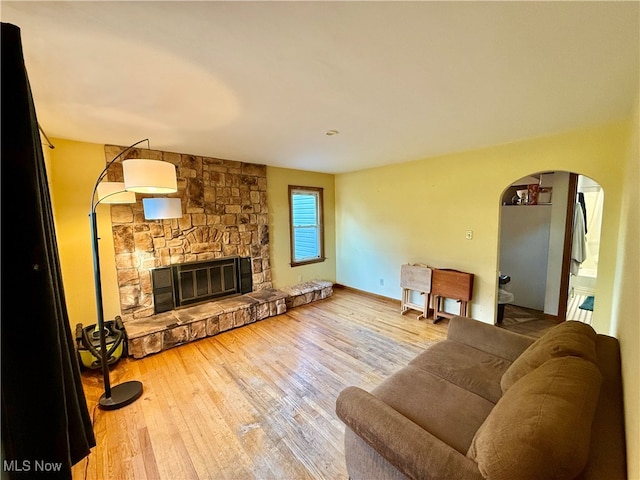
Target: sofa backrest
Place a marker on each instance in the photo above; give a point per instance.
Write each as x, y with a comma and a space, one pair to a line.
541, 426
488, 338
561, 410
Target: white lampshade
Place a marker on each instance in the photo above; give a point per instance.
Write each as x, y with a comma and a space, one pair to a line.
149, 176
162, 208
114, 192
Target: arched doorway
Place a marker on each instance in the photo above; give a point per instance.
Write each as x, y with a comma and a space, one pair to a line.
549, 243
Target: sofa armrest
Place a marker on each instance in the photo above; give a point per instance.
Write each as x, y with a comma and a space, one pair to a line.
607, 454
488, 338
407, 446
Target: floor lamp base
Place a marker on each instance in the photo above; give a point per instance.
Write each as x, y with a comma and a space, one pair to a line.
121, 395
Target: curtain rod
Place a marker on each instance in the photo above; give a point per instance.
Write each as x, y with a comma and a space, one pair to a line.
49, 144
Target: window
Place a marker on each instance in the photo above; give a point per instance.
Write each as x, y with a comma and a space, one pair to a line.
307, 237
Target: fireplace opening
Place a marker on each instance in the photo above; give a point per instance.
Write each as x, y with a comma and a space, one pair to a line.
196, 282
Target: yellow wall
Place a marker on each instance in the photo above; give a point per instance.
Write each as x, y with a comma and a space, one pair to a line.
626, 301
74, 169
278, 181
419, 212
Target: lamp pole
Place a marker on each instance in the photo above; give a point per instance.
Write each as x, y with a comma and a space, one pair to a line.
127, 392
124, 393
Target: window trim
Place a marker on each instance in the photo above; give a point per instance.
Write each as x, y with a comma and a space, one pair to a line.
320, 192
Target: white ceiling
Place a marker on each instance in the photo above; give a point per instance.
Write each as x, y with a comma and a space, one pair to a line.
263, 82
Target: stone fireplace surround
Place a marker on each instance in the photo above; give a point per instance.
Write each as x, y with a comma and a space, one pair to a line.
225, 214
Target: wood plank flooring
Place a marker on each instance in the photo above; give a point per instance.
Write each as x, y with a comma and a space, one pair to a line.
257, 402
534, 323
526, 321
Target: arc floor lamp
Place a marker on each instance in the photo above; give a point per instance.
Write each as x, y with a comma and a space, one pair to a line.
140, 176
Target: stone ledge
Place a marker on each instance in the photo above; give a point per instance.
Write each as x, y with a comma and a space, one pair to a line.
307, 292
153, 334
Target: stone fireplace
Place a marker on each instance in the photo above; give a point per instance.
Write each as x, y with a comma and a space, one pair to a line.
225, 215
196, 282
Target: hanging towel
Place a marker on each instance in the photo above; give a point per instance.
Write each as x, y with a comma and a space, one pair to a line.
579, 244
584, 210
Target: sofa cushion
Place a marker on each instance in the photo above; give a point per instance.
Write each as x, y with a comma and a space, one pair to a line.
541, 427
472, 369
568, 338
449, 412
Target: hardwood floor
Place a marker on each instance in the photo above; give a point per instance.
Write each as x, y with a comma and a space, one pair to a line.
257, 402
534, 323
526, 321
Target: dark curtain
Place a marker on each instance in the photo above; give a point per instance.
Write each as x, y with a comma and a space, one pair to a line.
46, 426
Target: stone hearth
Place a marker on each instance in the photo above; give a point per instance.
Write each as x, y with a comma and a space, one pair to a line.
148, 335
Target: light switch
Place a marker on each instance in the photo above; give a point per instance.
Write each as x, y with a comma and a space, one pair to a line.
469, 234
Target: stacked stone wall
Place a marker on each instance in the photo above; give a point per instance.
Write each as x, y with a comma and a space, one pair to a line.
224, 205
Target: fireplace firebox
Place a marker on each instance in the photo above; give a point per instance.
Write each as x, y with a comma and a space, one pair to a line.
195, 282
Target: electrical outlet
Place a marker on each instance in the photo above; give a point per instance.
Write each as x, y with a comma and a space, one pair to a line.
382, 282
469, 234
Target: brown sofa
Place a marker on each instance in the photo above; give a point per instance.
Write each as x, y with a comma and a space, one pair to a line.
489, 403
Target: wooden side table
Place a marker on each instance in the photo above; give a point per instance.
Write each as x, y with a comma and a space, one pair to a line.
415, 278
447, 283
